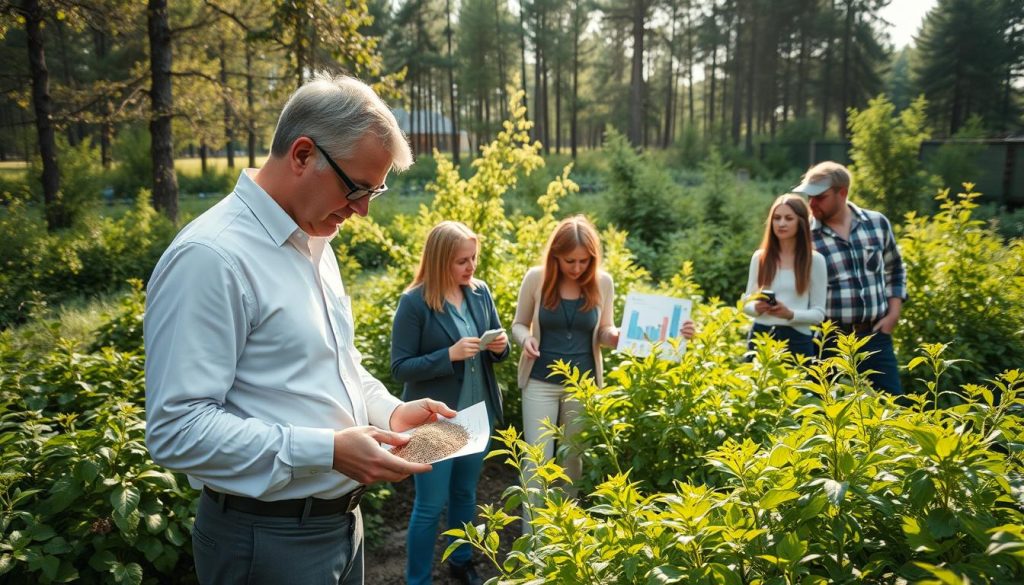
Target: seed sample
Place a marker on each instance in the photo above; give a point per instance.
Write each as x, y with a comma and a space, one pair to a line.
433, 441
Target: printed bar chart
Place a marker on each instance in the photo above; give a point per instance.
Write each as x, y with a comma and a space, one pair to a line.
651, 319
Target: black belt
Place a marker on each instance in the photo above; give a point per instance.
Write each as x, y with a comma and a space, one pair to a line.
862, 327
303, 508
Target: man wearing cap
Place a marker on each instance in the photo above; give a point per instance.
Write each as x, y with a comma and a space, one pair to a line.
253, 386
866, 280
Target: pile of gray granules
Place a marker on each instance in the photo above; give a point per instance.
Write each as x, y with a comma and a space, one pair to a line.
433, 441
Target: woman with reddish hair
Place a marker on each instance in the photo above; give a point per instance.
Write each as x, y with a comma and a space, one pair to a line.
787, 280
564, 313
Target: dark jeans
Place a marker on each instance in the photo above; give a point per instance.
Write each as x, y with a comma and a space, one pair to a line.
452, 482
798, 343
235, 547
883, 361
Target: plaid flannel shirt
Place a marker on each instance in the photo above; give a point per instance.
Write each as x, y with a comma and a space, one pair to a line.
864, 271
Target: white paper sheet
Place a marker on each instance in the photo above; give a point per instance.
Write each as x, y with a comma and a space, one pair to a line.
474, 420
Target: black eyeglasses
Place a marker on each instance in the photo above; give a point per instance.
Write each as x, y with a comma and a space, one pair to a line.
355, 191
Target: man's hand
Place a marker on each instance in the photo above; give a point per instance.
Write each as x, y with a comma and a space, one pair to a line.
418, 412
886, 324
358, 454
892, 316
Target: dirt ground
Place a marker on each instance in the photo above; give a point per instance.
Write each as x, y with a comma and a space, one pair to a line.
385, 556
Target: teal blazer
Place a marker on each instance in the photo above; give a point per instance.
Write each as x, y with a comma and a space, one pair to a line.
420, 338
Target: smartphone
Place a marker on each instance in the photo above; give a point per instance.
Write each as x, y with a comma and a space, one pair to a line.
489, 336
769, 297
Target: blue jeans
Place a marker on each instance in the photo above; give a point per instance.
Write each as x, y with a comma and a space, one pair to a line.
451, 482
883, 361
798, 343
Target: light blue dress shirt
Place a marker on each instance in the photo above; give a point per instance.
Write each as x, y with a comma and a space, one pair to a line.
250, 362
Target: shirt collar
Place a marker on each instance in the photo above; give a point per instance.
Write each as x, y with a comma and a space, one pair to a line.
279, 225
858, 216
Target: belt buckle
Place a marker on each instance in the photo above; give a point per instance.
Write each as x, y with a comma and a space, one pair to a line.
354, 497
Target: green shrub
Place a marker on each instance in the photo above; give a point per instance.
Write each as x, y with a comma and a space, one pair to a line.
887, 174
831, 483
215, 182
956, 162
81, 498
134, 169
966, 287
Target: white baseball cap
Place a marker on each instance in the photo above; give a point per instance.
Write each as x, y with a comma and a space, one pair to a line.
813, 188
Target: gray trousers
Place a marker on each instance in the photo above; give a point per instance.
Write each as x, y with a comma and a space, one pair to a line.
232, 547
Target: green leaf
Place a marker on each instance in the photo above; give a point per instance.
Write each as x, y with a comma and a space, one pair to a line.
57, 546
41, 532
664, 574
160, 479
86, 471
835, 491
49, 566
155, 523
174, 535
791, 548
775, 497
6, 563
125, 500
941, 523
130, 574
150, 547
64, 491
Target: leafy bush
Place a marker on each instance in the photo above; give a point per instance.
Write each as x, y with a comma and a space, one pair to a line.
965, 287
642, 199
97, 255
831, 484
81, 178
215, 182
887, 174
956, 162
134, 169
81, 498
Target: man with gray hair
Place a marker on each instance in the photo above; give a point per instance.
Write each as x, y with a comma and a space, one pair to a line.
867, 283
253, 386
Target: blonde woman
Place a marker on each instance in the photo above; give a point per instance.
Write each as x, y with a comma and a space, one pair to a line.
436, 352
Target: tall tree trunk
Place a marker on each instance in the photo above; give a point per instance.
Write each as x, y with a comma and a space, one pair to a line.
106, 129
522, 61
670, 82
689, 62
573, 124
250, 99
737, 91
844, 91
229, 125
636, 79
451, 86
502, 81
826, 85
165, 183
57, 215
800, 108
558, 99
751, 94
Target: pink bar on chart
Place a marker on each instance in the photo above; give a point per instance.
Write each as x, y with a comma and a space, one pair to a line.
664, 329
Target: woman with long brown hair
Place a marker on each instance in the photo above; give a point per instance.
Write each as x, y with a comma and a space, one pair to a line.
787, 281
